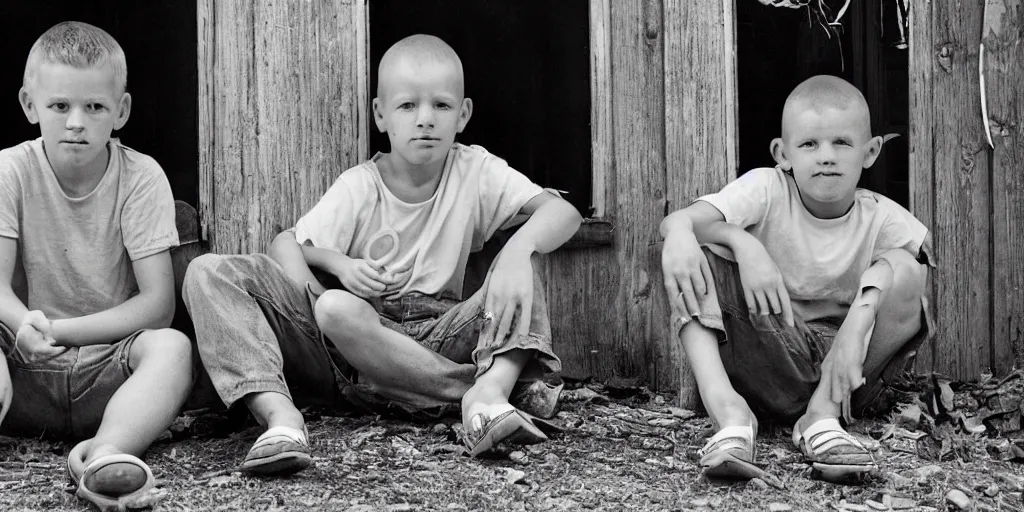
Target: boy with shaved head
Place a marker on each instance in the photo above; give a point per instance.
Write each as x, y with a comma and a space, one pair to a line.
796, 294
396, 232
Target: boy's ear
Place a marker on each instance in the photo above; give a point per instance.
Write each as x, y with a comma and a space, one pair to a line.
874, 149
25, 99
465, 112
123, 111
378, 116
779, 154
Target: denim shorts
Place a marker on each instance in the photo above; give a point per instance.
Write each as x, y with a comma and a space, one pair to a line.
63, 396
775, 367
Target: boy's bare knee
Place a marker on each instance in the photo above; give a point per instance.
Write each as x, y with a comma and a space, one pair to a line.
909, 277
339, 310
166, 346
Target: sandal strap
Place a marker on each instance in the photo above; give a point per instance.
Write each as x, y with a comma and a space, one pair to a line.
282, 434
826, 434
730, 438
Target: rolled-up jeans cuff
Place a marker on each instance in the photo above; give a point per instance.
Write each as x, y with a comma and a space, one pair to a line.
543, 363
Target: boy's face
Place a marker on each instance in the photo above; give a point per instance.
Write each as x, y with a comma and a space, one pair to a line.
76, 109
421, 107
826, 148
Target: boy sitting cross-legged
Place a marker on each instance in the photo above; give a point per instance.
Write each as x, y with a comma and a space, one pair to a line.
812, 292
396, 232
85, 229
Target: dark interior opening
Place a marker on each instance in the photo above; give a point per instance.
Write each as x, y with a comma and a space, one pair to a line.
527, 69
777, 48
159, 42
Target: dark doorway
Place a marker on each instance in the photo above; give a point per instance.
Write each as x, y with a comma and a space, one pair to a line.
777, 48
527, 68
159, 41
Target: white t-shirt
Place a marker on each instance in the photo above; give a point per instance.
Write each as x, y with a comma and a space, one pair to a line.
76, 253
821, 260
477, 195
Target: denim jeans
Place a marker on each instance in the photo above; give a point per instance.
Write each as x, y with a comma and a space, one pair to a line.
64, 396
256, 332
773, 366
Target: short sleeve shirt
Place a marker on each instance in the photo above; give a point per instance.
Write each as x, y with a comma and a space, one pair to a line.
821, 260
477, 195
76, 253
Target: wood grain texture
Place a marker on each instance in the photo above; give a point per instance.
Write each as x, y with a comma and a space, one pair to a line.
287, 117
700, 127
1004, 76
921, 175
602, 142
639, 127
962, 195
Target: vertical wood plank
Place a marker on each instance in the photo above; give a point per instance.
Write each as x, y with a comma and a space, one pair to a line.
308, 110
962, 194
602, 146
700, 125
923, 53
583, 285
1004, 76
639, 129
234, 129
205, 47
287, 116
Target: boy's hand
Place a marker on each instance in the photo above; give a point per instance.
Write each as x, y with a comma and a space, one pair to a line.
686, 273
6, 389
360, 278
35, 337
509, 287
843, 368
763, 288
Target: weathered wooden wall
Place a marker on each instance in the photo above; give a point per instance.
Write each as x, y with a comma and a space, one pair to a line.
282, 111
969, 193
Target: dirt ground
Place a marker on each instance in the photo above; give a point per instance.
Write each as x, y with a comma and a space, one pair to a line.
623, 448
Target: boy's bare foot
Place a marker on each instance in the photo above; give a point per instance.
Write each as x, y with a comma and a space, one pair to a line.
480, 403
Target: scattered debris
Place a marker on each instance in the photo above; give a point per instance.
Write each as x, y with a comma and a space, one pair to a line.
957, 498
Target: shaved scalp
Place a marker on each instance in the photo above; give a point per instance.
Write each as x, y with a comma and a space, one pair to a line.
79, 45
420, 49
823, 92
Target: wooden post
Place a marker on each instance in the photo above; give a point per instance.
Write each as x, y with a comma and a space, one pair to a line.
283, 111
950, 154
1004, 76
700, 131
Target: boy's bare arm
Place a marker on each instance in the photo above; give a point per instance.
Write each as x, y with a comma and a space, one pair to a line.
356, 275
6, 390
763, 287
151, 308
12, 310
552, 222
287, 252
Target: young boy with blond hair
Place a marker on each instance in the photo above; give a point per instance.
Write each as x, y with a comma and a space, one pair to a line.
396, 232
809, 295
86, 286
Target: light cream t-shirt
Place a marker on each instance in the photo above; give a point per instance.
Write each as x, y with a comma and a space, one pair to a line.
76, 253
477, 195
821, 260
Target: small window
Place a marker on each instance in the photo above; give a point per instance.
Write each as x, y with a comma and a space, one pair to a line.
527, 68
